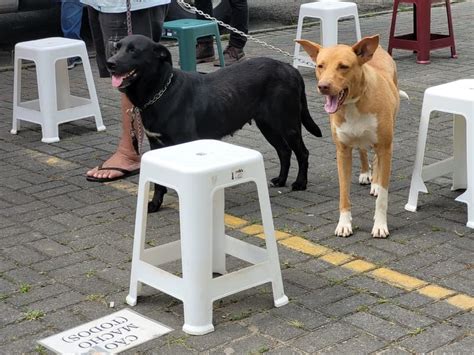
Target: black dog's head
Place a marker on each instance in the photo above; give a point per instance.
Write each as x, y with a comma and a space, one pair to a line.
137, 56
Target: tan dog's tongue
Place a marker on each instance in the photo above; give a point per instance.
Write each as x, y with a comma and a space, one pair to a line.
117, 80
331, 105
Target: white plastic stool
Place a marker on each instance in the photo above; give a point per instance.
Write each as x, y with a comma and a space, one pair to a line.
199, 171
329, 13
55, 104
456, 97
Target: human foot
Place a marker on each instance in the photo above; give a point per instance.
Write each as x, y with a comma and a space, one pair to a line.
121, 166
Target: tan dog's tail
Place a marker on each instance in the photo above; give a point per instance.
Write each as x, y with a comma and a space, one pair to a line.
403, 94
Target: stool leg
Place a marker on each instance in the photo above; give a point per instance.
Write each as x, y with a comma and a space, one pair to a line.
459, 153
468, 195
138, 239
92, 92
218, 233
357, 26
423, 32
219, 49
329, 33
392, 27
48, 100
63, 90
279, 297
450, 29
16, 95
470, 174
299, 29
187, 55
196, 253
417, 184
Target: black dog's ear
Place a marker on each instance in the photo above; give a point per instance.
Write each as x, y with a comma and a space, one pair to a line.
162, 53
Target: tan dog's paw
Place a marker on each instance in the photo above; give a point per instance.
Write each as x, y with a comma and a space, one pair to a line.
344, 227
365, 178
374, 190
380, 230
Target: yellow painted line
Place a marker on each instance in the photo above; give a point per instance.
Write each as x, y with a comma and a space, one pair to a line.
462, 301
336, 258
279, 235
305, 246
360, 266
398, 279
234, 222
252, 229
434, 291
282, 235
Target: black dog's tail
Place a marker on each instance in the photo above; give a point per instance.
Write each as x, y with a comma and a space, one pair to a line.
306, 118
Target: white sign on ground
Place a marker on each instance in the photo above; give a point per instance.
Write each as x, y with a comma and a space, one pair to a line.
110, 334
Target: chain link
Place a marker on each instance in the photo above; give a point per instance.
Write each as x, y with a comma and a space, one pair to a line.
159, 94
191, 8
129, 17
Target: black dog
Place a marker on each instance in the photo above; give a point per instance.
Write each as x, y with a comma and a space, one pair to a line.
178, 107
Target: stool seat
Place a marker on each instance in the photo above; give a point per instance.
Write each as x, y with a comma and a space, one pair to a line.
186, 24
339, 7
199, 171
459, 91
48, 44
200, 157
187, 31
55, 104
329, 13
456, 97
421, 40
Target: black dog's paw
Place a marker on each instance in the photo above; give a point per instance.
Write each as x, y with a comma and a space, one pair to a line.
278, 182
154, 206
298, 186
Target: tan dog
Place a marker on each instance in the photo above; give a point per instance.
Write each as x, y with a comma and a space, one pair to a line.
362, 98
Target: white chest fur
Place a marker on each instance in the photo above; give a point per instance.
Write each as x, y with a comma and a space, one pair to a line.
358, 130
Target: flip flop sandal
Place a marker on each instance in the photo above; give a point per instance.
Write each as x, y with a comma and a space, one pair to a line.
125, 174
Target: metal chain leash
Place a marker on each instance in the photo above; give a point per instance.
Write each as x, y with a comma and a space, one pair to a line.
191, 8
158, 95
136, 133
129, 18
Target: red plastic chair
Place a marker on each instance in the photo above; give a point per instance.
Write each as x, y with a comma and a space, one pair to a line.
421, 41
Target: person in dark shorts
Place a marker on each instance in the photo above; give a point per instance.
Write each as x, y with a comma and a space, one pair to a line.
108, 23
239, 18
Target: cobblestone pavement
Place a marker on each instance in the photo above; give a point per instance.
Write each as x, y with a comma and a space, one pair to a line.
66, 243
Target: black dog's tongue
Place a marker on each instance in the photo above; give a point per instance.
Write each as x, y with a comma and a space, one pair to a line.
117, 80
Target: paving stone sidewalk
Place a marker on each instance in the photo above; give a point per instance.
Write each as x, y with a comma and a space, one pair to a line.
66, 243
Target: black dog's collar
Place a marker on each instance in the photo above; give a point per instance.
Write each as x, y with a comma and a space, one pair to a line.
158, 95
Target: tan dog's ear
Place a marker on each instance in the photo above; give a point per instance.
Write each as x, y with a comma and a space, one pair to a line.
365, 48
310, 47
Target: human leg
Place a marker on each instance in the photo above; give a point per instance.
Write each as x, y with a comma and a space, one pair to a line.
125, 156
99, 42
239, 20
112, 27
158, 15
205, 46
71, 18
